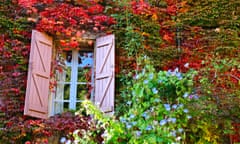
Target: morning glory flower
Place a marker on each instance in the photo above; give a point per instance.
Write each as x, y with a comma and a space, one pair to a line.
185, 110
148, 127
145, 81
154, 90
167, 107
163, 122
185, 95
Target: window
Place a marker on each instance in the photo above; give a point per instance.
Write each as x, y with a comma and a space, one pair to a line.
74, 82
71, 85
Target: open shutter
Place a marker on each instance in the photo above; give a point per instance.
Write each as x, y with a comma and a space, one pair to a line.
36, 99
104, 73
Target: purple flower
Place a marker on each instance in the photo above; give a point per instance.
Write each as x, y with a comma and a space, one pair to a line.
138, 133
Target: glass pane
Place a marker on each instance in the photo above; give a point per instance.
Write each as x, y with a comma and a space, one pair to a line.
66, 91
65, 75
84, 74
68, 74
58, 107
85, 59
68, 57
82, 92
78, 105
66, 106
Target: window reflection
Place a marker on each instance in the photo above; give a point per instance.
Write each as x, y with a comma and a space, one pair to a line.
85, 59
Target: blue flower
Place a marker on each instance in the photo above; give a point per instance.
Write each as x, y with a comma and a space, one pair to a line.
179, 75
185, 110
145, 81
145, 115
154, 90
167, 107
174, 106
185, 95
123, 120
151, 76
128, 126
163, 122
160, 81
129, 102
131, 116
172, 120
134, 123
148, 127
173, 133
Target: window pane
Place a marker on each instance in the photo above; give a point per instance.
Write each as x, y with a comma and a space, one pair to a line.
85, 59
65, 75
78, 105
82, 92
68, 57
66, 91
84, 74
58, 107
66, 106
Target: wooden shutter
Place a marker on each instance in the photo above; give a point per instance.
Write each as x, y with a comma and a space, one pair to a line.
36, 99
104, 73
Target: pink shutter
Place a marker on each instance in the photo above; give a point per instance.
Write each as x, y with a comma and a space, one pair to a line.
104, 73
36, 99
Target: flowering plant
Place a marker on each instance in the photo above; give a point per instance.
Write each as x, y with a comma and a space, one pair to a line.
158, 110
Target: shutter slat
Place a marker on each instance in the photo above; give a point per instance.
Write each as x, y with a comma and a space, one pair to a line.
36, 99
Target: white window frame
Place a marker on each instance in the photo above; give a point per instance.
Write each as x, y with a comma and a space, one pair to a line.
73, 85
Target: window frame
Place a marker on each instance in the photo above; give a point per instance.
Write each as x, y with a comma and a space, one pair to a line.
73, 82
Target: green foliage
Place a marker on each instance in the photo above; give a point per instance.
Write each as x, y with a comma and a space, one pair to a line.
157, 109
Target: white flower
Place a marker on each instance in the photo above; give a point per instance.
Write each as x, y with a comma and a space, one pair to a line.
185, 95
186, 65
185, 110
68, 142
154, 90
